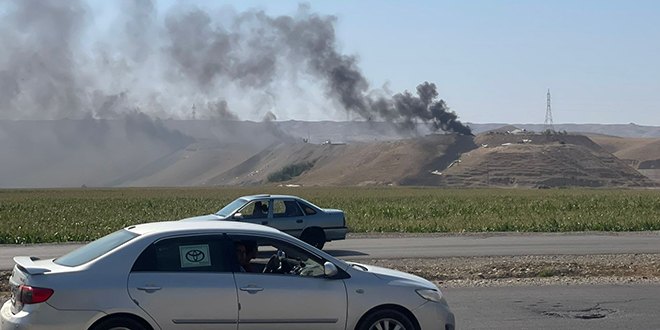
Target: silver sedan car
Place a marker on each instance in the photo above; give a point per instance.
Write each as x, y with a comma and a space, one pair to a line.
290, 214
214, 275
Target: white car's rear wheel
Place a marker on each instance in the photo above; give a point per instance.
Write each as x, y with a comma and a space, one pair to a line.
119, 323
388, 319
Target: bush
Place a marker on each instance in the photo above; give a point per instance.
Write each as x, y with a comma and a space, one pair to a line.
289, 172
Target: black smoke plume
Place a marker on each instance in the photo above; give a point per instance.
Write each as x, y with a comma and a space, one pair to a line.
163, 62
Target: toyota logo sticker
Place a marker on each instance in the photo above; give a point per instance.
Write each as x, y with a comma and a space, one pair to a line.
194, 256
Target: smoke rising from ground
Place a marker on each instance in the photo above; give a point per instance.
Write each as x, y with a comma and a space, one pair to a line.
164, 62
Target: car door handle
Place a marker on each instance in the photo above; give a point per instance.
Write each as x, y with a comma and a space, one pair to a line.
299, 221
149, 288
252, 289
264, 222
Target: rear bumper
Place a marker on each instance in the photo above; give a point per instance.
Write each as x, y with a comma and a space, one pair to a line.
333, 234
43, 316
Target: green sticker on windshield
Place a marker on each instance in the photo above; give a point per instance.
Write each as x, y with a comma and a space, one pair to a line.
194, 256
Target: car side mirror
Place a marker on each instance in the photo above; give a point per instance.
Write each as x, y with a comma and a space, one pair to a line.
330, 269
237, 216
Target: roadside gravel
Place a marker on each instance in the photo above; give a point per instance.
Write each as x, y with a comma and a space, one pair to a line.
531, 270
500, 234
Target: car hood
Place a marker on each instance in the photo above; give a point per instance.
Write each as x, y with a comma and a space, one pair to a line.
204, 218
396, 277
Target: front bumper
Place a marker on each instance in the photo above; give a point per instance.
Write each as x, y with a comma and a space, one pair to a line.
43, 316
435, 316
334, 234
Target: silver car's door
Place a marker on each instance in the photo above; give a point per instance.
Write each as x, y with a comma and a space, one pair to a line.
288, 217
186, 283
292, 297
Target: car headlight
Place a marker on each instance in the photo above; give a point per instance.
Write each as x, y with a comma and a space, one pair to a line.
430, 294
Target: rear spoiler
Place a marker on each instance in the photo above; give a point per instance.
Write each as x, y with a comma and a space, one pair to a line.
27, 265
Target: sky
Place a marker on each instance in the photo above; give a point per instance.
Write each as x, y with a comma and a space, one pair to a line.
494, 61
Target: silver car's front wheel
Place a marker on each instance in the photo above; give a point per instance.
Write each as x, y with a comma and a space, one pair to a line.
387, 324
386, 319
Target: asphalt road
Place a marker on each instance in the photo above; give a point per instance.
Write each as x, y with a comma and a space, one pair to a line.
494, 245
433, 246
556, 307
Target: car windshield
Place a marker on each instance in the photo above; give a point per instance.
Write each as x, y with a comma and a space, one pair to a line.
95, 249
233, 206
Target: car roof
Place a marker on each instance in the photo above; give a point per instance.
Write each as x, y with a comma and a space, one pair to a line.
183, 226
253, 197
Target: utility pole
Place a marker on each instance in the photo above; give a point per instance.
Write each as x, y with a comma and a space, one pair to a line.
548, 125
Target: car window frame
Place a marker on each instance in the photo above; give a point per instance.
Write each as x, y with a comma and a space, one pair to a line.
226, 259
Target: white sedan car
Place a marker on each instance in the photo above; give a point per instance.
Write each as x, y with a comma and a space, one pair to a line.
214, 275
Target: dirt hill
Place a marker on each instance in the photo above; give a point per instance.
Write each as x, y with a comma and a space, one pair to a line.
536, 160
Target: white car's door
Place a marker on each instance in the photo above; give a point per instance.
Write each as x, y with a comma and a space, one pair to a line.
288, 299
186, 283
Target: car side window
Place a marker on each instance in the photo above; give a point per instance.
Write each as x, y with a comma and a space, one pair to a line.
308, 209
255, 210
268, 256
286, 208
184, 254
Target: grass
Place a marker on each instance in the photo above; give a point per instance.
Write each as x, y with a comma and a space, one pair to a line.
60, 215
546, 273
289, 172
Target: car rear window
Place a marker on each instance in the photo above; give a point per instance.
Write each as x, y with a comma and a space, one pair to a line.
308, 209
95, 249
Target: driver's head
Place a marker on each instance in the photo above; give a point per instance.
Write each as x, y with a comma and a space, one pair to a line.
258, 208
241, 253
251, 249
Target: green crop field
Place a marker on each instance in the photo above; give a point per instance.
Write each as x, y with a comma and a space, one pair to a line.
59, 215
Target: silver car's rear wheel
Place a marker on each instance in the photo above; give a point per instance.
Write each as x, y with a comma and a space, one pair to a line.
387, 324
386, 319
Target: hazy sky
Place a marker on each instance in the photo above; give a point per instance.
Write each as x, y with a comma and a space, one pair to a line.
493, 61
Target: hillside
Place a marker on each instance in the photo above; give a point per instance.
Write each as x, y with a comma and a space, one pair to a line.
359, 164
143, 151
642, 154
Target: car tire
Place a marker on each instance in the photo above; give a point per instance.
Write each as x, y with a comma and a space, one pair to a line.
119, 323
387, 319
314, 237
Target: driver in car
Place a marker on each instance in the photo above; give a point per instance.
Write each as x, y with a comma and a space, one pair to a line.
245, 252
